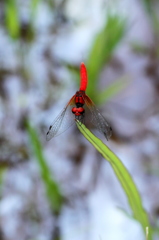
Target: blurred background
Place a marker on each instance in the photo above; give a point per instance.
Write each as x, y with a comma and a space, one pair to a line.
63, 189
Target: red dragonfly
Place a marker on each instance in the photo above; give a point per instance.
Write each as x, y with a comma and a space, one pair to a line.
65, 119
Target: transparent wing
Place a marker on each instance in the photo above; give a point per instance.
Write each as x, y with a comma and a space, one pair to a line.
97, 118
62, 122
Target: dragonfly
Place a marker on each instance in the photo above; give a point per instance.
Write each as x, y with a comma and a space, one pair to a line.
78, 107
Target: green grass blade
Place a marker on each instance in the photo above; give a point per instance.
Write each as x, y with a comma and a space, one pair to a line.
2, 171
34, 4
123, 176
52, 188
151, 7
12, 18
112, 90
148, 5
102, 49
34, 7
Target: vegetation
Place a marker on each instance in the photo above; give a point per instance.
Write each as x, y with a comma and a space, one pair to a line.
32, 77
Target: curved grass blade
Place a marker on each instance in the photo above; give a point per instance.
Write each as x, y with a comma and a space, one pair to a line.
53, 191
113, 89
123, 176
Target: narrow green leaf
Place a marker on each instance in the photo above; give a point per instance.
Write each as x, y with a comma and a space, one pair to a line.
139, 48
112, 90
147, 233
151, 8
2, 171
12, 18
34, 6
148, 5
123, 176
52, 188
103, 48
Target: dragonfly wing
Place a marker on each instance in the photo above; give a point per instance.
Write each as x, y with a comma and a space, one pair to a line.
97, 118
62, 122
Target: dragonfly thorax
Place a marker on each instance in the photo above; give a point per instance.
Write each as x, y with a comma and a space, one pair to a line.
79, 99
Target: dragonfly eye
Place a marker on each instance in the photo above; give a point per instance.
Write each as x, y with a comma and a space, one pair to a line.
74, 110
81, 110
